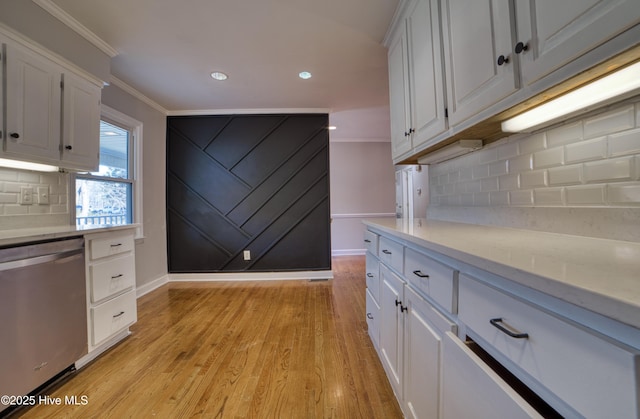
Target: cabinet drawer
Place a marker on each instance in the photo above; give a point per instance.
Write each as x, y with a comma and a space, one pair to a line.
372, 275
371, 242
390, 253
593, 376
432, 278
113, 316
111, 277
112, 245
373, 319
473, 390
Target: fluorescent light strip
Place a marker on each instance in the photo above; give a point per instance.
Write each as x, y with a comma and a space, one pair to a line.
17, 164
608, 87
450, 151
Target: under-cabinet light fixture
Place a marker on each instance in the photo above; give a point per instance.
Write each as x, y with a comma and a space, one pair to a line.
25, 165
450, 151
615, 84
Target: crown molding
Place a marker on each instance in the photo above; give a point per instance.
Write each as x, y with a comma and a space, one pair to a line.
254, 111
64, 17
135, 93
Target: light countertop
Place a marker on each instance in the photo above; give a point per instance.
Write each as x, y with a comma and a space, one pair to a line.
600, 275
25, 235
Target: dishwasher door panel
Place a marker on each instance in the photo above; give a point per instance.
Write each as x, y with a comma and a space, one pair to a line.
43, 322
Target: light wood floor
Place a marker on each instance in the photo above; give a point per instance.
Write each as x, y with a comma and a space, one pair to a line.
277, 349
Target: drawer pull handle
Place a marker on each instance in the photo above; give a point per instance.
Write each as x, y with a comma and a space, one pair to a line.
496, 323
115, 316
117, 276
386, 252
369, 316
419, 273
369, 275
367, 241
116, 245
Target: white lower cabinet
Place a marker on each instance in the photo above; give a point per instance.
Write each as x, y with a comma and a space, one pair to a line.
473, 390
111, 291
392, 327
424, 328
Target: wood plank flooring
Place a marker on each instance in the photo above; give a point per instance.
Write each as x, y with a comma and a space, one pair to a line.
276, 349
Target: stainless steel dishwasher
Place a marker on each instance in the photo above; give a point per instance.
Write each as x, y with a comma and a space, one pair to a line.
43, 314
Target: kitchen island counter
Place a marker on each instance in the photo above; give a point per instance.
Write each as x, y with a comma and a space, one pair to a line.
599, 275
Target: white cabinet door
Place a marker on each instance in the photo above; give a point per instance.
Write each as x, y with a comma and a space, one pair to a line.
425, 69
81, 124
472, 390
392, 327
476, 34
33, 106
554, 35
424, 328
399, 95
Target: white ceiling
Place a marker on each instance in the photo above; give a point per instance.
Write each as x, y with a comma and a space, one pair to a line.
167, 50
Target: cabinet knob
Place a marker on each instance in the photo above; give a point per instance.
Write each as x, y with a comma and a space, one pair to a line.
502, 60
14, 135
406, 134
370, 316
68, 147
521, 47
411, 130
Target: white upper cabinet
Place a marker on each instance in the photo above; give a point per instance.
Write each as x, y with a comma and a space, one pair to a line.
81, 124
416, 84
32, 106
554, 36
52, 113
425, 72
399, 96
478, 46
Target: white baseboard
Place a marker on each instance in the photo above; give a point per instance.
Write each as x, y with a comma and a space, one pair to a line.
348, 252
100, 349
150, 286
252, 276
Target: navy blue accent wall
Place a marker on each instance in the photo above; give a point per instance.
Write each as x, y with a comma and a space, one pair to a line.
248, 182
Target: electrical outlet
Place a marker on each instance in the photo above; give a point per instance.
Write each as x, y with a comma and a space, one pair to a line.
26, 195
43, 195
247, 254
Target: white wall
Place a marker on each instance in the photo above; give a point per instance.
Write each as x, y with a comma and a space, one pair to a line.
581, 177
362, 175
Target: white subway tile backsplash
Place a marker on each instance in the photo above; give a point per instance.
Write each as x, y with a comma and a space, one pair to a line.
609, 170
617, 120
564, 134
521, 198
533, 143
520, 163
586, 150
548, 158
15, 210
624, 143
594, 161
499, 198
508, 182
585, 195
12, 182
565, 175
533, 179
549, 197
8, 198
622, 193
498, 168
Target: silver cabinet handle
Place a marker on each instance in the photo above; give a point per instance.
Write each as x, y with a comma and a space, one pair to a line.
369, 316
369, 274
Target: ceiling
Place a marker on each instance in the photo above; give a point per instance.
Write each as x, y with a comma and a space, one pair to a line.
166, 50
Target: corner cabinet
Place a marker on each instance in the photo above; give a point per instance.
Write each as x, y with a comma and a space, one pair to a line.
52, 113
416, 83
457, 341
111, 287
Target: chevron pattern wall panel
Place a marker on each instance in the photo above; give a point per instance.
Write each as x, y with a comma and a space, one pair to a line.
248, 182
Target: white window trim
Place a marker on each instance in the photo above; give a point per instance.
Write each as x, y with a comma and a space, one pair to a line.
136, 129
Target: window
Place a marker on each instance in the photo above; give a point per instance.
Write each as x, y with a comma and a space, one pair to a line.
111, 195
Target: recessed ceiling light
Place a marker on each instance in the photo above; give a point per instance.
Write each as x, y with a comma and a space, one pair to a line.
304, 75
332, 127
218, 75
